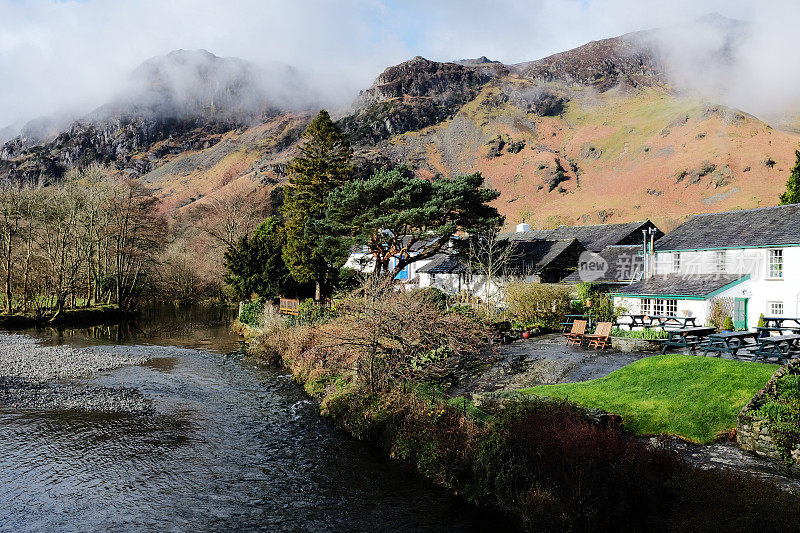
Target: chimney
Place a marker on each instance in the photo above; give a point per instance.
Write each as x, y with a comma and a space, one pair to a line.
523, 227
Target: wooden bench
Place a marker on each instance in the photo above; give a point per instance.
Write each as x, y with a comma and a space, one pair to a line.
781, 346
689, 338
729, 342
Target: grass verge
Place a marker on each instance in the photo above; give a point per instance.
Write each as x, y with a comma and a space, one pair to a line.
695, 398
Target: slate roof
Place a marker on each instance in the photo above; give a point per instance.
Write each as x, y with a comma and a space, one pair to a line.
444, 264
538, 255
762, 227
535, 255
594, 237
625, 263
681, 285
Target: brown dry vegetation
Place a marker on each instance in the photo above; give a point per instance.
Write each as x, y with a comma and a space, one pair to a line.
546, 464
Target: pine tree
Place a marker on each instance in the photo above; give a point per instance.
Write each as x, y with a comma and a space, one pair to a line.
324, 163
792, 194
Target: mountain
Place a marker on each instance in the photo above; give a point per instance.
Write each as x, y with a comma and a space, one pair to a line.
183, 102
606, 132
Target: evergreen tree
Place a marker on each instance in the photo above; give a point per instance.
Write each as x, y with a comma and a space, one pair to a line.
324, 163
397, 215
255, 265
792, 194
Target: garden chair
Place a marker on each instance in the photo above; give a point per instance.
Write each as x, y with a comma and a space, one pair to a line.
601, 338
575, 335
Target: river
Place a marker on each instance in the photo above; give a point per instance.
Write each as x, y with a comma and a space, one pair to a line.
231, 446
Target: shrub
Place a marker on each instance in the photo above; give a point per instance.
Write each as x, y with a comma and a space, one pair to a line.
783, 413
648, 334
310, 313
538, 303
251, 312
761, 322
716, 315
728, 323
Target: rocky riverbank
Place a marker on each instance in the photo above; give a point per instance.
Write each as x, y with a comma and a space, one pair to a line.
33, 376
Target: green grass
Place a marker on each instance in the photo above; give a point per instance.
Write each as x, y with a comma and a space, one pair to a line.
695, 398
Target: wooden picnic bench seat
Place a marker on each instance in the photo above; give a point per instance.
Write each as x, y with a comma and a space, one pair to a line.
576, 334
690, 337
783, 347
601, 338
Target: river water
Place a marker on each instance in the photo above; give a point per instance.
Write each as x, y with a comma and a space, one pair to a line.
230, 447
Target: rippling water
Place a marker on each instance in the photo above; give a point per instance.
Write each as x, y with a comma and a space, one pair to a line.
232, 447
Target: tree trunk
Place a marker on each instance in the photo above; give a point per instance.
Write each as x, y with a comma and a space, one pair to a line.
8, 277
318, 291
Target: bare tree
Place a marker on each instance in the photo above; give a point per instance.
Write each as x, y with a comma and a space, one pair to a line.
230, 215
136, 230
494, 259
400, 336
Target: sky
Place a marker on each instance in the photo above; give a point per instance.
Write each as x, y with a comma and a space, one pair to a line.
70, 55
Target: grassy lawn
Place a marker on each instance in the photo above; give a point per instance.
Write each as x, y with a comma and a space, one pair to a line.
693, 397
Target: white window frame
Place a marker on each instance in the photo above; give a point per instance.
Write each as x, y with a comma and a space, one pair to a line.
676, 261
774, 306
720, 261
646, 306
671, 307
775, 263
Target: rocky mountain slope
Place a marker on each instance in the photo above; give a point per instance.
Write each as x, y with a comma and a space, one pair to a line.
595, 134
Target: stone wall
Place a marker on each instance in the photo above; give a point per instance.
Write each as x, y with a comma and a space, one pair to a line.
752, 433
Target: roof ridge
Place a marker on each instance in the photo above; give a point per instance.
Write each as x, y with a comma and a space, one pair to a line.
745, 210
602, 225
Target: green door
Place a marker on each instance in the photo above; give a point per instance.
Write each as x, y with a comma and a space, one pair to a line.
740, 313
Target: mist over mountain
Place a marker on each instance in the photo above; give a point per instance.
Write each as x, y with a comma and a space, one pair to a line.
652, 112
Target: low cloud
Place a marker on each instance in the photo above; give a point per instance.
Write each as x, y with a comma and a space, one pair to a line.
75, 55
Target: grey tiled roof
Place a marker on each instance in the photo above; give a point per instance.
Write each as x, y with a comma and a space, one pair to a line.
766, 226
625, 263
534, 255
538, 255
594, 237
444, 264
681, 285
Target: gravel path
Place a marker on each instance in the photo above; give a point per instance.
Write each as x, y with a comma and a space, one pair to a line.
33, 376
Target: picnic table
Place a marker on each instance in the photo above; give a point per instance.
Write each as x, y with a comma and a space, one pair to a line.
781, 346
662, 321
777, 322
659, 321
729, 342
687, 337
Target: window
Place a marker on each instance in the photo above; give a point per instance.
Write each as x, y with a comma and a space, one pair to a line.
658, 307
775, 264
775, 308
671, 307
719, 261
645, 307
676, 262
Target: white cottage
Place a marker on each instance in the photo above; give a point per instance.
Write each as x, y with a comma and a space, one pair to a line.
747, 261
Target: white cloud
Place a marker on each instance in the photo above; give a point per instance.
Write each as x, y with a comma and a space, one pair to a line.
74, 54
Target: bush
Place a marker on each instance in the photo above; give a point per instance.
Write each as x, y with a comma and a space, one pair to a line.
728, 324
310, 313
647, 334
250, 313
538, 303
716, 316
783, 413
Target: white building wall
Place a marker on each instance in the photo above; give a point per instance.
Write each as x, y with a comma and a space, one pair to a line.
761, 290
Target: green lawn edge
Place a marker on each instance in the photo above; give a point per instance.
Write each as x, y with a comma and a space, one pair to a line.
692, 397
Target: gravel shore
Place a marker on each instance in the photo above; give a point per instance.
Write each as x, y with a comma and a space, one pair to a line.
33, 376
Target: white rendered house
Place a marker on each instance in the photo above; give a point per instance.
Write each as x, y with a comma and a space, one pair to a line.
747, 262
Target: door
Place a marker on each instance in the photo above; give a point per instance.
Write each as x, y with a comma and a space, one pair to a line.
740, 313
